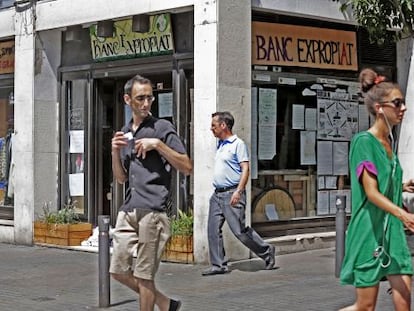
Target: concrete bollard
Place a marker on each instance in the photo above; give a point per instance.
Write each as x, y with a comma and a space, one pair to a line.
340, 228
104, 279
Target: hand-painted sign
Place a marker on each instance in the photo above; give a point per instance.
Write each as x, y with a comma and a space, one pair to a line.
128, 44
290, 45
6, 57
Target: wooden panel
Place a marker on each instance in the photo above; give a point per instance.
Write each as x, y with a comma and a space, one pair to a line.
179, 249
283, 202
61, 234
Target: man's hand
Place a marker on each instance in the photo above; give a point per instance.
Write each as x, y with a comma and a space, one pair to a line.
143, 145
407, 219
235, 198
408, 186
118, 141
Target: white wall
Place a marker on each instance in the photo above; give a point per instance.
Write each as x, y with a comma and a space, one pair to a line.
234, 85
7, 23
405, 65
205, 103
56, 14
23, 144
322, 9
221, 82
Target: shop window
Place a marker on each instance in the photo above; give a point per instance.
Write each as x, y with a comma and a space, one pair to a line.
304, 124
278, 141
6, 141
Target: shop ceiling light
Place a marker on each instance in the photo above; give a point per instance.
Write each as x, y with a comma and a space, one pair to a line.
140, 23
73, 33
105, 29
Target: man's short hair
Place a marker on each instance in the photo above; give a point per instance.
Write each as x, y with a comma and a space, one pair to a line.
226, 117
135, 79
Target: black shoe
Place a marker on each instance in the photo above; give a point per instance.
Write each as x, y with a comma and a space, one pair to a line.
175, 305
213, 271
270, 263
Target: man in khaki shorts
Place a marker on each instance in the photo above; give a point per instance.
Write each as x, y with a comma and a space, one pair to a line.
143, 154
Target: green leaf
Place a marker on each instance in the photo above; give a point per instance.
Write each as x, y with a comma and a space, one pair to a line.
182, 224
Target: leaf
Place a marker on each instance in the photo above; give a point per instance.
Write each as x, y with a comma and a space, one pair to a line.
66, 215
182, 224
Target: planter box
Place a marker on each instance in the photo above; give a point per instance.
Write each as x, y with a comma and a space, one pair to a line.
40, 229
179, 249
62, 234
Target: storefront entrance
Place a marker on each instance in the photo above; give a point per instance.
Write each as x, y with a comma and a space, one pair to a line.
93, 110
112, 114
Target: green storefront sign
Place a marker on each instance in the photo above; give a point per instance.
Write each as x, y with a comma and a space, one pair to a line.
128, 44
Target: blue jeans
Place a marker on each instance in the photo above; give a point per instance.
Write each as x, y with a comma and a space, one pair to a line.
220, 211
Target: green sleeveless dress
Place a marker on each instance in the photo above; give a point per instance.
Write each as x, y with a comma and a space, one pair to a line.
364, 265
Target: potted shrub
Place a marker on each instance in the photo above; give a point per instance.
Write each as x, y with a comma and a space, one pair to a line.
180, 246
62, 227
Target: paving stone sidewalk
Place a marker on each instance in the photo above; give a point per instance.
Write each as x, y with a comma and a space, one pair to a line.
43, 278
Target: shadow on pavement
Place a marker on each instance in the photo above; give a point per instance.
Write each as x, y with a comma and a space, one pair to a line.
251, 265
122, 302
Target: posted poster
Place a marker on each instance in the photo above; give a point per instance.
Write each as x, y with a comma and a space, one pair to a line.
76, 141
337, 117
340, 158
307, 147
76, 184
298, 117
253, 157
330, 182
267, 142
267, 123
310, 119
325, 160
321, 182
323, 202
165, 105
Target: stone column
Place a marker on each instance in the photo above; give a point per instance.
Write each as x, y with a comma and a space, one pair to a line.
23, 143
46, 119
222, 81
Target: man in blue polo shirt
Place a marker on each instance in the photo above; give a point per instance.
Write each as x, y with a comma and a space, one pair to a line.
143, 155
228, 202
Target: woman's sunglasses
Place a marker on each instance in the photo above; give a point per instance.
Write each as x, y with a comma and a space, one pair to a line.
397, 102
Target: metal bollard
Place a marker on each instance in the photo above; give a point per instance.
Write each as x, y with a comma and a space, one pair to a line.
104, 279
340, 227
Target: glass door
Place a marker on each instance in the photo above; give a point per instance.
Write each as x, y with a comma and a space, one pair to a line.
107, 119
76, 159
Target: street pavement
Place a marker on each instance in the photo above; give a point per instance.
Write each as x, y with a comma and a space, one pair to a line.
45, 278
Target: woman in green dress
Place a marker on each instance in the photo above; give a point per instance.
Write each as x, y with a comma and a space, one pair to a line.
376, 246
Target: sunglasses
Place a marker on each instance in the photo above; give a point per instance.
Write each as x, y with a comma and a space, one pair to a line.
141, 98
397, 102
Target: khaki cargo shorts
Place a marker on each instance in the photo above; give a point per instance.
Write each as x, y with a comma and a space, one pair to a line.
145, 232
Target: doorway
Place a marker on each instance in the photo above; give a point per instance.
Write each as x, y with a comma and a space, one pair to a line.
93, 110
111, 115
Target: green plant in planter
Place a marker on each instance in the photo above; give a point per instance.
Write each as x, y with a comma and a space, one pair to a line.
66, 215
62, 227
180, 246
183, 224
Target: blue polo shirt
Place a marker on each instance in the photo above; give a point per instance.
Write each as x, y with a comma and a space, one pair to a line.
230, 153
